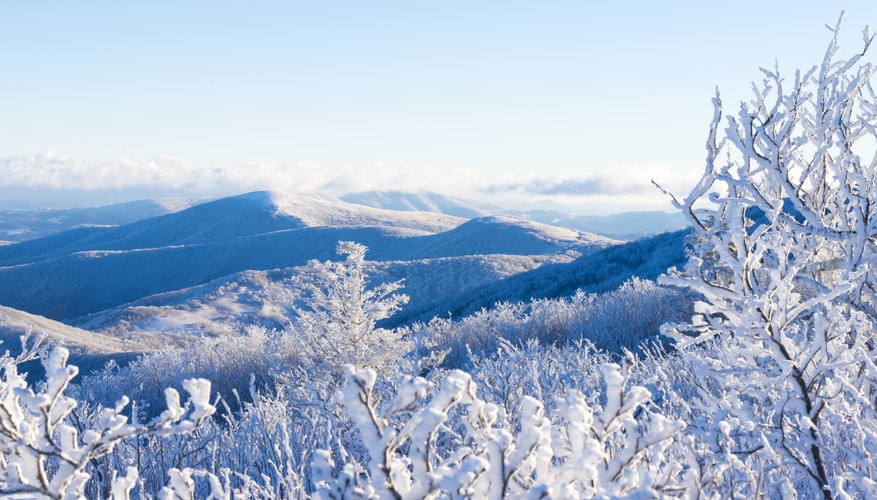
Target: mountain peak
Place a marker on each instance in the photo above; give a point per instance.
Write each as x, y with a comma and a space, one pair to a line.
420, 201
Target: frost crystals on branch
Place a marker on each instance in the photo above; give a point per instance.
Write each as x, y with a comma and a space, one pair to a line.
578, 453
342, 311
785, 221
43, 455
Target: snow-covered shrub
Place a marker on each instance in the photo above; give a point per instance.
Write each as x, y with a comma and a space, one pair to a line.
228, 361
786, 216
547, 373
573, 451
46, 453
604, 319
338, 324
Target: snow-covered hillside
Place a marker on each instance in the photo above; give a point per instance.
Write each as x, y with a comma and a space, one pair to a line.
90, 350
600, 271
626, 225
267, 298
508, 235
314, 210
87, 270
422, 201
438, 287
14, 324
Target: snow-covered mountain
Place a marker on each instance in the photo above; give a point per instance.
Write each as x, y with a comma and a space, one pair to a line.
267, 298
422, 201
87, 270
437, 287
625, 226
600, 271
223, 220
21, 225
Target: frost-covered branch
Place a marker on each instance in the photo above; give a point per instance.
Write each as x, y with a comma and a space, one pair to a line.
577, 452
42, 453
784, 263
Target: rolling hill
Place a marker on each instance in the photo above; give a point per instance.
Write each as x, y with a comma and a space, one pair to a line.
26, 224
599, 271
88, 270
267, 298
624, 226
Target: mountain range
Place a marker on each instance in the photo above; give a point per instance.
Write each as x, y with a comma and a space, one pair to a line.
624, 226
187, 268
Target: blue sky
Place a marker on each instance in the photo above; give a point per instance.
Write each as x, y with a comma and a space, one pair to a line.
575, 102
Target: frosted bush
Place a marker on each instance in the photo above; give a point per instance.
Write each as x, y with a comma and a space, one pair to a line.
228, 361
573, 452
603, 319
45, 453
786, 219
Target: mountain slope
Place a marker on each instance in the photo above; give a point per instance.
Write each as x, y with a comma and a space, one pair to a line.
599, 271
421, 201
267, 298
90, 269
21, 225
223, 220
507, 235
14, 324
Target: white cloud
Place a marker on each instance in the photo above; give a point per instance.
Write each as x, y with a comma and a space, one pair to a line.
623, 185
622, 180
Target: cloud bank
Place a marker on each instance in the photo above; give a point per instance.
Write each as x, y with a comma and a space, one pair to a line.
52, 171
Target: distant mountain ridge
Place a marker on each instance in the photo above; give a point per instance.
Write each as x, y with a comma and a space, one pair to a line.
26, 224
421, 201
87, 270
224, 219
625, 226
319, 210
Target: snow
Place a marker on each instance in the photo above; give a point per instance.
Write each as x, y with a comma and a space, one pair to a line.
93, 269
20, 225
14, 324
321, 210
421, 201
625, 226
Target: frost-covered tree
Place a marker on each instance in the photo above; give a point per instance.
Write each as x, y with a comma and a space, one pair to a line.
45, 452
786, 224
338, 324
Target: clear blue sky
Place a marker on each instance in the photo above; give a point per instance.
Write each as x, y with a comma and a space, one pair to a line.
530, 88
